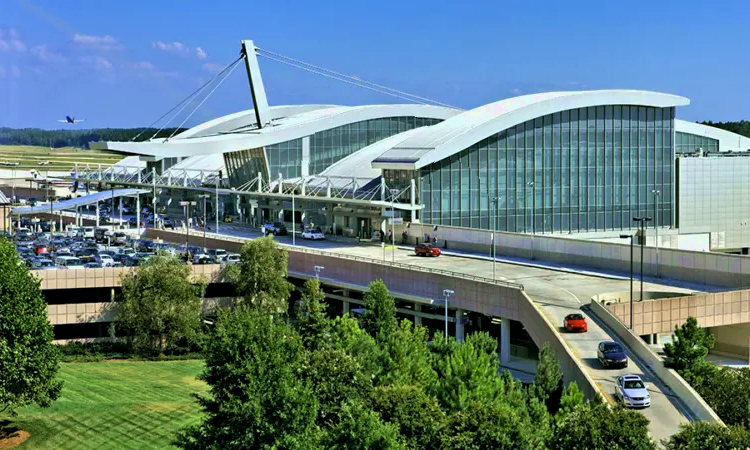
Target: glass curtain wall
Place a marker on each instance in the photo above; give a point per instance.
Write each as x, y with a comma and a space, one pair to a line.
244, 165
580, 170
690, 143
330, 146
285, 159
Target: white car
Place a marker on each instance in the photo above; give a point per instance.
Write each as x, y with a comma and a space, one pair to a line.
631, 390
105, 260
232, 258
313, 233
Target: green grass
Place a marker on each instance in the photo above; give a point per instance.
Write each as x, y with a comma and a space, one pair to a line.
116, 405
59, 158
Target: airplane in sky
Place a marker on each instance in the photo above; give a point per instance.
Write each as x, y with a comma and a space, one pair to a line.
71, 120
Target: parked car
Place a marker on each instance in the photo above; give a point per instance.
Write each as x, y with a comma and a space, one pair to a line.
217, 253
92, 265
42, 264
313, 233
611, 354
68, 262
232, 258
40, 249
167, 222
632, 392
575, 322
426, 250
105, 260
276, 228
203, 259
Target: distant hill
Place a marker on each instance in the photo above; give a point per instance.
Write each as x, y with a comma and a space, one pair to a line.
742, 127
75, 138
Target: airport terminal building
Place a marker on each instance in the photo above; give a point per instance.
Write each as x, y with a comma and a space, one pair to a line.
581, 164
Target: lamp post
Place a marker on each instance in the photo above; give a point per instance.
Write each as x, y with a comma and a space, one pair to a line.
394, 194
205, 217
496, 202
642, 222
187, 206
657, 195
447, 293
632, 238
294, 225
317, 271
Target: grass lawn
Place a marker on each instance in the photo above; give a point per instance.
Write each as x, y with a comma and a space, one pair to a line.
116, 405
58, 158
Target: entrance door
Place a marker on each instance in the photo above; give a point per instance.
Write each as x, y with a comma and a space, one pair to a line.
365, 227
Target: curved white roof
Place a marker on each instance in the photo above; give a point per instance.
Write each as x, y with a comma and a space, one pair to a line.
284, 128
436, 142
728, 141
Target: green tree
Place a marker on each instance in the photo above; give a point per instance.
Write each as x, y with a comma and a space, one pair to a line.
359, 428
261, 276
257, 396
380, 311
596, 426
28, 359
689, 347
548, 381
405, 358
466, 372
346, 335
161, 304
572, 398
492, 425
417, 415
727, 391
708, 436
312, 322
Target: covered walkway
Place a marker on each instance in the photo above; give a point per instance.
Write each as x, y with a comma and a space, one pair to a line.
74, 203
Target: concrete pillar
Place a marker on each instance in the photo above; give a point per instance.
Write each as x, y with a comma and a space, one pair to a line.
504, 340
97, 214
459, 325
346, 306
417, 318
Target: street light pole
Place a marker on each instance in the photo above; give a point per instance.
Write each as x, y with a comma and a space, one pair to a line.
447, 293
657, 195
642, 221
394, 194
294, 225
632, 238
533, 228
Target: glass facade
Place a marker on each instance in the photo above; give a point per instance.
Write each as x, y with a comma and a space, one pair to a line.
690, 143
285, 159
329, 146
580, 170
244, 165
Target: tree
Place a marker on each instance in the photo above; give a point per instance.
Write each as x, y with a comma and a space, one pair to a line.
312, 323
417, 415
466, 372
380, 311
596, 426
261, 275
162, 304
405, 358
727, 391
359, 428
689, 347
548, 381
28, 359
257, 396
572, 398
704, 435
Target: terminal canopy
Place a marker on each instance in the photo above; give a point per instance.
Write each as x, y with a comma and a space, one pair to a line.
78, 201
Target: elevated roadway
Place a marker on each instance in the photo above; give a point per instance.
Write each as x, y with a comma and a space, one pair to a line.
558, 291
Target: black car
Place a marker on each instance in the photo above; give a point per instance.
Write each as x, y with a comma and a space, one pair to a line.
611, 354
167, 222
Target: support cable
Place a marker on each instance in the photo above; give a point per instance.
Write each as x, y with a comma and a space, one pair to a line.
355, 79
234, 66
187, 99
343, 80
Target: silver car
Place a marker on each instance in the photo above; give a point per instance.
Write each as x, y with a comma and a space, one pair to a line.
631, 390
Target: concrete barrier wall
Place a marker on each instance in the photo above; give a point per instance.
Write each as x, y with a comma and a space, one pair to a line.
662, 315
715, 269
694, 402
78, 313
104, 277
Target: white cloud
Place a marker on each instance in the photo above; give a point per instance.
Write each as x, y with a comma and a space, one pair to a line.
46, 55
10, 40
105, 42
200, 53
211, 67
101, 63
176, 47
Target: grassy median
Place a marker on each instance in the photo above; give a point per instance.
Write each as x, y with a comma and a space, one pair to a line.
116, 405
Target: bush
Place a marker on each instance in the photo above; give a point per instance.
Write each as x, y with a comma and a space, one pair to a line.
99, 351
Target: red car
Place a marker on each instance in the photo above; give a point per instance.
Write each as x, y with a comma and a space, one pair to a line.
575, 322
427, 250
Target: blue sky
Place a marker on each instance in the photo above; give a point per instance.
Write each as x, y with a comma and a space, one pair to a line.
124, 64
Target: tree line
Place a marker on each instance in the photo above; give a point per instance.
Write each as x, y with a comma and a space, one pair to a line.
77, 138
742, 127
296, 378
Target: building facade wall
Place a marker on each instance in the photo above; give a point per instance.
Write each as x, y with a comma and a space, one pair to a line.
580, 170
691, 143
714, 196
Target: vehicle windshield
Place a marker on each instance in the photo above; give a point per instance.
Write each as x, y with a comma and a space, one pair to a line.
575, 317
633, 384
46, 264
612, 348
